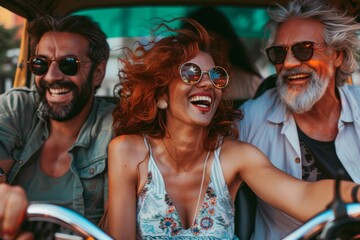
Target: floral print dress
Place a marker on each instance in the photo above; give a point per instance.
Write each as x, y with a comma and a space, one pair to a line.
157, 217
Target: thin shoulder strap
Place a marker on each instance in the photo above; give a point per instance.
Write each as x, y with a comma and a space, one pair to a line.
148, 147
146, 142
217, 175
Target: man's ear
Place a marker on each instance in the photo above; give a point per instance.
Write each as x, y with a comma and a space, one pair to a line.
339, 58
99, 73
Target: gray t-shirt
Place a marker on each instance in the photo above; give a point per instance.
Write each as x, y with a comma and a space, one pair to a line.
40, 187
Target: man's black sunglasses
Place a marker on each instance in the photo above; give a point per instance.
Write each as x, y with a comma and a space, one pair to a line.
67, 65
303, 51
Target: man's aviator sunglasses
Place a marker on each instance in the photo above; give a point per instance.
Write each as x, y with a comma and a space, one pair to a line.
191, 73
303, 51
67, 65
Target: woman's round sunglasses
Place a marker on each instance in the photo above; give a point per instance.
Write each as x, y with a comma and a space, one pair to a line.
303, 51
67, 65
191, 73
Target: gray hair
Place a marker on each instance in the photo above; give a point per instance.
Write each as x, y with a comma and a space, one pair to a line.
340, 30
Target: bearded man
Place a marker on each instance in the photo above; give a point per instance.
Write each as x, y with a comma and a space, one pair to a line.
53, 139
309, 125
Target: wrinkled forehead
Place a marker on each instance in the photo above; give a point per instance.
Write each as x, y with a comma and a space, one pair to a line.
299, 30
57, 44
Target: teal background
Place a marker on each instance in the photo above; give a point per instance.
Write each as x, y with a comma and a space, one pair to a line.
249, 22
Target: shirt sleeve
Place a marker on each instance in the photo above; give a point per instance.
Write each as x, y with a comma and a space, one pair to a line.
243, 123
17, 109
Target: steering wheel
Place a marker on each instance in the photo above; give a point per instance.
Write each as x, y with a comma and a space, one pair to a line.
63, 218
340, 221
326, 226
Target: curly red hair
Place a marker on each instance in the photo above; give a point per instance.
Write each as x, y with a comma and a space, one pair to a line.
146, 74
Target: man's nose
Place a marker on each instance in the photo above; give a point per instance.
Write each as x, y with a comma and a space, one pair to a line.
54, 71
290, 60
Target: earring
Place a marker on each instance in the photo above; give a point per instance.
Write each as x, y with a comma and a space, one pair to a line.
162, 104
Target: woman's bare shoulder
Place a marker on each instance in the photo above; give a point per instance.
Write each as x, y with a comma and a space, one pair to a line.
236, 157
233, 149
127, 141
128, 148
235, 146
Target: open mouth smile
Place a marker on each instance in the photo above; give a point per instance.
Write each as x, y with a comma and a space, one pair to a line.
201, 101
301, 76
59, 91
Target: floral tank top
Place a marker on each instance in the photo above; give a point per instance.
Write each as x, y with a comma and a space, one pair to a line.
157, 217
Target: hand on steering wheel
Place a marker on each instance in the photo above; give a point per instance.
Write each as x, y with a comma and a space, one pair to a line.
13, 206
340, 221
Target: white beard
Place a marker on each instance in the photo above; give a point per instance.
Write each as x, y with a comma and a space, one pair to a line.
300, 99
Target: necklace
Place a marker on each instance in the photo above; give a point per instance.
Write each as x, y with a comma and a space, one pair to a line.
202, 178
174, 159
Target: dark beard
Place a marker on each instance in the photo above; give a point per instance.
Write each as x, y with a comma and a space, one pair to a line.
60, 113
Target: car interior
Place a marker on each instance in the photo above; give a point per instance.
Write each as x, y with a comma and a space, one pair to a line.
126, 21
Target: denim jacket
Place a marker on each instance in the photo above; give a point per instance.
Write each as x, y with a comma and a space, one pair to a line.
23, 132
